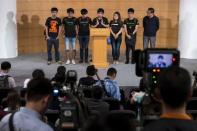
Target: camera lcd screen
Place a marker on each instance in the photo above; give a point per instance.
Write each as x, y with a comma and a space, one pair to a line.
159, 60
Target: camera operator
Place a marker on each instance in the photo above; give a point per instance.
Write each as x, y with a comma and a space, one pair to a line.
60, 76
174, 90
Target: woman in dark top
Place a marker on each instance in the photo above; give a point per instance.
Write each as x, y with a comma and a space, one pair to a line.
116, 36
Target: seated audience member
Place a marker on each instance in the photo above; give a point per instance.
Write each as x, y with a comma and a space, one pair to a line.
6, 81
174, 90
30, 117
13, 101
109, 123
111, 86
37, 74
60, 76
96, 103
91, 71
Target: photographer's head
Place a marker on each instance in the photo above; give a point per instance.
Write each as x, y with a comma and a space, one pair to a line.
5, 66
61, 70
111, 73
91, 70
38, 74
39, 92
174, 86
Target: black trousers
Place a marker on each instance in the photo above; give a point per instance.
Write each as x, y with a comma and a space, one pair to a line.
130, 46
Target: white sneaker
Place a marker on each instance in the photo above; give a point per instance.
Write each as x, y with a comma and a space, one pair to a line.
67, 62
73, 62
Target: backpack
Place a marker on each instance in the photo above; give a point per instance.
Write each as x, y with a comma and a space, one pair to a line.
4, 83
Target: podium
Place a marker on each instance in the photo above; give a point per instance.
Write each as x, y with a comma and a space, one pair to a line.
99, 46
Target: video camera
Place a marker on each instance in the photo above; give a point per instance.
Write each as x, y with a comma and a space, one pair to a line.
153, 61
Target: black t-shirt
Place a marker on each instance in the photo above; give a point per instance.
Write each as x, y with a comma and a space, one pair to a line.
104, 19
116, 26
53, 26
69, 26
165, 124
87, 81
84, 26
130, 24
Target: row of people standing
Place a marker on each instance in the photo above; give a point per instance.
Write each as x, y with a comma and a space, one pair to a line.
80, 28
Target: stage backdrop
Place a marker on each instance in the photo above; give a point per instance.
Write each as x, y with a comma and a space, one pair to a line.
31, 16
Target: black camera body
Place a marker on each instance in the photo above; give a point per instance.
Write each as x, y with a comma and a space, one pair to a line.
153, 61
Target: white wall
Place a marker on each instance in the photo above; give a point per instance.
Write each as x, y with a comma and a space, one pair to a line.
8, 29
188, 29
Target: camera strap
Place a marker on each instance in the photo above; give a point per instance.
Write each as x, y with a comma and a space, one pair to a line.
11, 122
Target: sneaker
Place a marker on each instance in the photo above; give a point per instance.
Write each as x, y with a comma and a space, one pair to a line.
126, 62
67, 62
81, 61
73, 62
59, 62
49, 62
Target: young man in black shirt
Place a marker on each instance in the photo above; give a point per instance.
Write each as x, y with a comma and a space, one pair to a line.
53, 28
131, 27
100, 21
84, 23
70, 30
151, 26
174, 90
89, 81
116, 36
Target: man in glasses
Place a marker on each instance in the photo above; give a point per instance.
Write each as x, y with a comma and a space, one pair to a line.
151, 26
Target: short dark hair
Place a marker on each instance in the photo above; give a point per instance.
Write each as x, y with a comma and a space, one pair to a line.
160, 57
131, 10
38, 74
111, 71
61, 69
100, 10
91, 70
70, 10
5, 65
84, 11
54, 9
38, 88
152, 10
97, 92
174, 84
